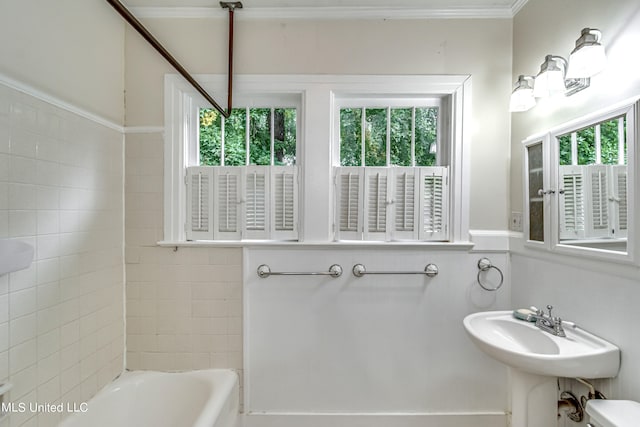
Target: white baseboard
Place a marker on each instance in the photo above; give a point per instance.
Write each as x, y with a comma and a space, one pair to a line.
490, 419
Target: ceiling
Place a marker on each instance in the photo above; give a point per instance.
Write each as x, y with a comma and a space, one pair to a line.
468, 8
389, 4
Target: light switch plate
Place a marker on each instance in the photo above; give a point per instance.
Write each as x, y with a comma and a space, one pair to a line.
516, 221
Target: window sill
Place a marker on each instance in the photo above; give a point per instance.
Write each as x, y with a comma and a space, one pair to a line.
454, 246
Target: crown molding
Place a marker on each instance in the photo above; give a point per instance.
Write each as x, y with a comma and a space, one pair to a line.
341, 13
517, 6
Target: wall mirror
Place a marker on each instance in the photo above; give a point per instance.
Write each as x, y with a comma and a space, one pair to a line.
592, 185
579, 185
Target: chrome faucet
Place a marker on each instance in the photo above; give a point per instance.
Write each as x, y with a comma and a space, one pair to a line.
548, 323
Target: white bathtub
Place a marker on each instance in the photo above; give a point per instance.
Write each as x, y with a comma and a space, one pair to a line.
207, 398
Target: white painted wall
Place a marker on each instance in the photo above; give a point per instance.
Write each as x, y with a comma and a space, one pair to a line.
376, 344
72, 50
600, 296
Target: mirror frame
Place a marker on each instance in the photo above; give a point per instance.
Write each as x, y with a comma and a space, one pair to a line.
630, 108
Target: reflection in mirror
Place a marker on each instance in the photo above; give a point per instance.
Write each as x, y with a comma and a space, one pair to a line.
593, 186
536, 200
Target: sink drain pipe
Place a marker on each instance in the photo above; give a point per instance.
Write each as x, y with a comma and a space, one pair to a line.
570, 405
574, 408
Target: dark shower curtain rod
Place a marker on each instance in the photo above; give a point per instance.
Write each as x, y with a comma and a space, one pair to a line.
128, 16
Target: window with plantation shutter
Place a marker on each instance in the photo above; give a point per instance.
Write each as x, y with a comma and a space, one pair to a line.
253, 173
392, 178
244, 183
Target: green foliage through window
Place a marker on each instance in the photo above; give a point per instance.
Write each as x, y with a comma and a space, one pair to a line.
410, 140
586, 144
271, 136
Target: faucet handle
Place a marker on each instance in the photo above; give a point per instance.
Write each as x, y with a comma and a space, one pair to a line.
550, 307
557, 327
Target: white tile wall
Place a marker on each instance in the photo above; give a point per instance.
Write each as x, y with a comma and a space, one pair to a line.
184, 308
61, 320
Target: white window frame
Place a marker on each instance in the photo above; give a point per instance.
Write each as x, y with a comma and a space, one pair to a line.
315, 154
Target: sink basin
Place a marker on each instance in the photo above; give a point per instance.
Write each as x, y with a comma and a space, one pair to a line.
523, 346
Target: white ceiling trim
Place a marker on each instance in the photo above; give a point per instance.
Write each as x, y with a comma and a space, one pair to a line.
329, 12
519, 4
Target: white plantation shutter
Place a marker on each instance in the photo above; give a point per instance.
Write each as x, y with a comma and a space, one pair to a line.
593, 202
226, 196
433, 203
405, 206
376, 202
349, 191
199, 203
256, 201
395, 203
597, 194
618, 197
232, 203
572, 209
284, 203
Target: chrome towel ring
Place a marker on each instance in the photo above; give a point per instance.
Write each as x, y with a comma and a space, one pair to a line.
484, 265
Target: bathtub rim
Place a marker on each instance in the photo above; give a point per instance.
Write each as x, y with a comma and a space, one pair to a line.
224, 383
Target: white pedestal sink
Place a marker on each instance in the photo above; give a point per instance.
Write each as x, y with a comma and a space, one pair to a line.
536, 358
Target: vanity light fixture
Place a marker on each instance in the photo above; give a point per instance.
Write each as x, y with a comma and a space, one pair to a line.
550, 79
558, 77
522, 98
588, 58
